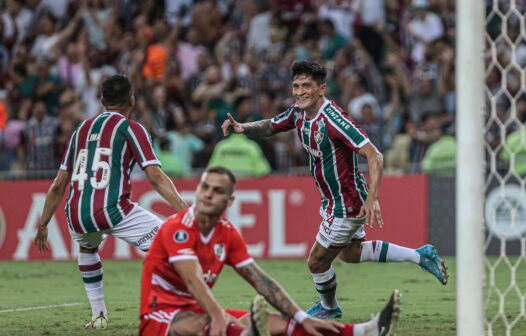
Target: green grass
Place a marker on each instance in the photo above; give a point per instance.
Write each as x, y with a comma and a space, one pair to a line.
428, 308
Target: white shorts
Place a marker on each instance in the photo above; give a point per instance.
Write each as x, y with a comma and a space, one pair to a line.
338, 232
137, 229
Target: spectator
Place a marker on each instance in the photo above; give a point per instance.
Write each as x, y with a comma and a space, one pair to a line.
422, 137
424, 27
331, 40
241, 155
360, 96
17, 20
13, 134
426, 96
369, 23
41, 84
182, 147
340, 14
38, 151
441, 157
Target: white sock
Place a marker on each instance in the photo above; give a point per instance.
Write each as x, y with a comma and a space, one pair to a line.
326, 287
369, 328
380, 251
91, 272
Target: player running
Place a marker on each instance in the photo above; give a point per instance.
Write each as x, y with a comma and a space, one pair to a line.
97, 164
185, 260
332, 141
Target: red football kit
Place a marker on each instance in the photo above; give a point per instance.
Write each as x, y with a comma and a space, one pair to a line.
163, 292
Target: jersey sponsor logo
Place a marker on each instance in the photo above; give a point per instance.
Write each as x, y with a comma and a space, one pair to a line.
219, 250
181, 236
318, 137
320, 123
339, 120
313, 152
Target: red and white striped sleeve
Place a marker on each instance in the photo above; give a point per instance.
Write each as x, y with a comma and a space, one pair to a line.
284, 121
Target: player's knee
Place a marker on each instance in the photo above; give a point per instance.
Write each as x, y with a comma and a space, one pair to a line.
187, 324
317, 264
184, 329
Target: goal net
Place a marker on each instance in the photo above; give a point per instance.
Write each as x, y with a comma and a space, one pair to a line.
505, 178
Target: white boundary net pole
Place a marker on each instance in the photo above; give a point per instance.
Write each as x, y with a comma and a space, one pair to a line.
470, 83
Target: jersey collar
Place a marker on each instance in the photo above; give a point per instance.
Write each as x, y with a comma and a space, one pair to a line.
322, 107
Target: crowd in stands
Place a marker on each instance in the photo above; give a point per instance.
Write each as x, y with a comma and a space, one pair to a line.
390, 66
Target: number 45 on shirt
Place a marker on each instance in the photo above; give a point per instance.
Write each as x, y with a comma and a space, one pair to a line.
80, 175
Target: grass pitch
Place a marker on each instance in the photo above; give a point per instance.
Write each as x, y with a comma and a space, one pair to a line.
47, 298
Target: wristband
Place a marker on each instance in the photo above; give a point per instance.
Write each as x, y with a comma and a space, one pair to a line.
300, 316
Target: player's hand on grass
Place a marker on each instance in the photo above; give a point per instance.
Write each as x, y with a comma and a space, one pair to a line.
316, 327
41, 238
371, 210
231, 124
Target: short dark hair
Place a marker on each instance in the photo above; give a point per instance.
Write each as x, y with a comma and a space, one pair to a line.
315, 70
222, 171
116, 90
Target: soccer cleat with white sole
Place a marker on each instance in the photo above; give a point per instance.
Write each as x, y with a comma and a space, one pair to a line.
100, 322
259, 316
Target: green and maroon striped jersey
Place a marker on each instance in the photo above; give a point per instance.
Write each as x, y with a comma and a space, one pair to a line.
100, 157
332, 139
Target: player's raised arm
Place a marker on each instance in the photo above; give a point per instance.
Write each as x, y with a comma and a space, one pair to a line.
192, 275
260, 128
371, 208
53, 198
278, 298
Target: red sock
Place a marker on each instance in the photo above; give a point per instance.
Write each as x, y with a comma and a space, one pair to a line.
231, 330
296, 329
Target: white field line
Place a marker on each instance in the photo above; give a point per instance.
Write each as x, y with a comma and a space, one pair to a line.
14, 310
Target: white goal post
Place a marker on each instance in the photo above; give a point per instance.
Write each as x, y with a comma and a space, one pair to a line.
470, 187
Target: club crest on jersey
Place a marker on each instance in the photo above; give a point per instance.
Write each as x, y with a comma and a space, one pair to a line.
318, 137
219, 250
181, 236
297, 115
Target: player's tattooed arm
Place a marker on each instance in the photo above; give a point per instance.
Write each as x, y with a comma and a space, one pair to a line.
269, 288
260, 128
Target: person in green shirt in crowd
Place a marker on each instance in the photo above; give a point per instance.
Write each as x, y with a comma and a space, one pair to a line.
441, 157
241, 155
516, 147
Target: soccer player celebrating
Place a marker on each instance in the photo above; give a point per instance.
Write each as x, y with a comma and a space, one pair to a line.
332, 141
97, 164
185, 260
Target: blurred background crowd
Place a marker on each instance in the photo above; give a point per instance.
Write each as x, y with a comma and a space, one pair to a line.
391, 66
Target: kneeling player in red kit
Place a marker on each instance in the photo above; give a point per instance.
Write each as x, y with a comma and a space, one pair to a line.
186, 258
